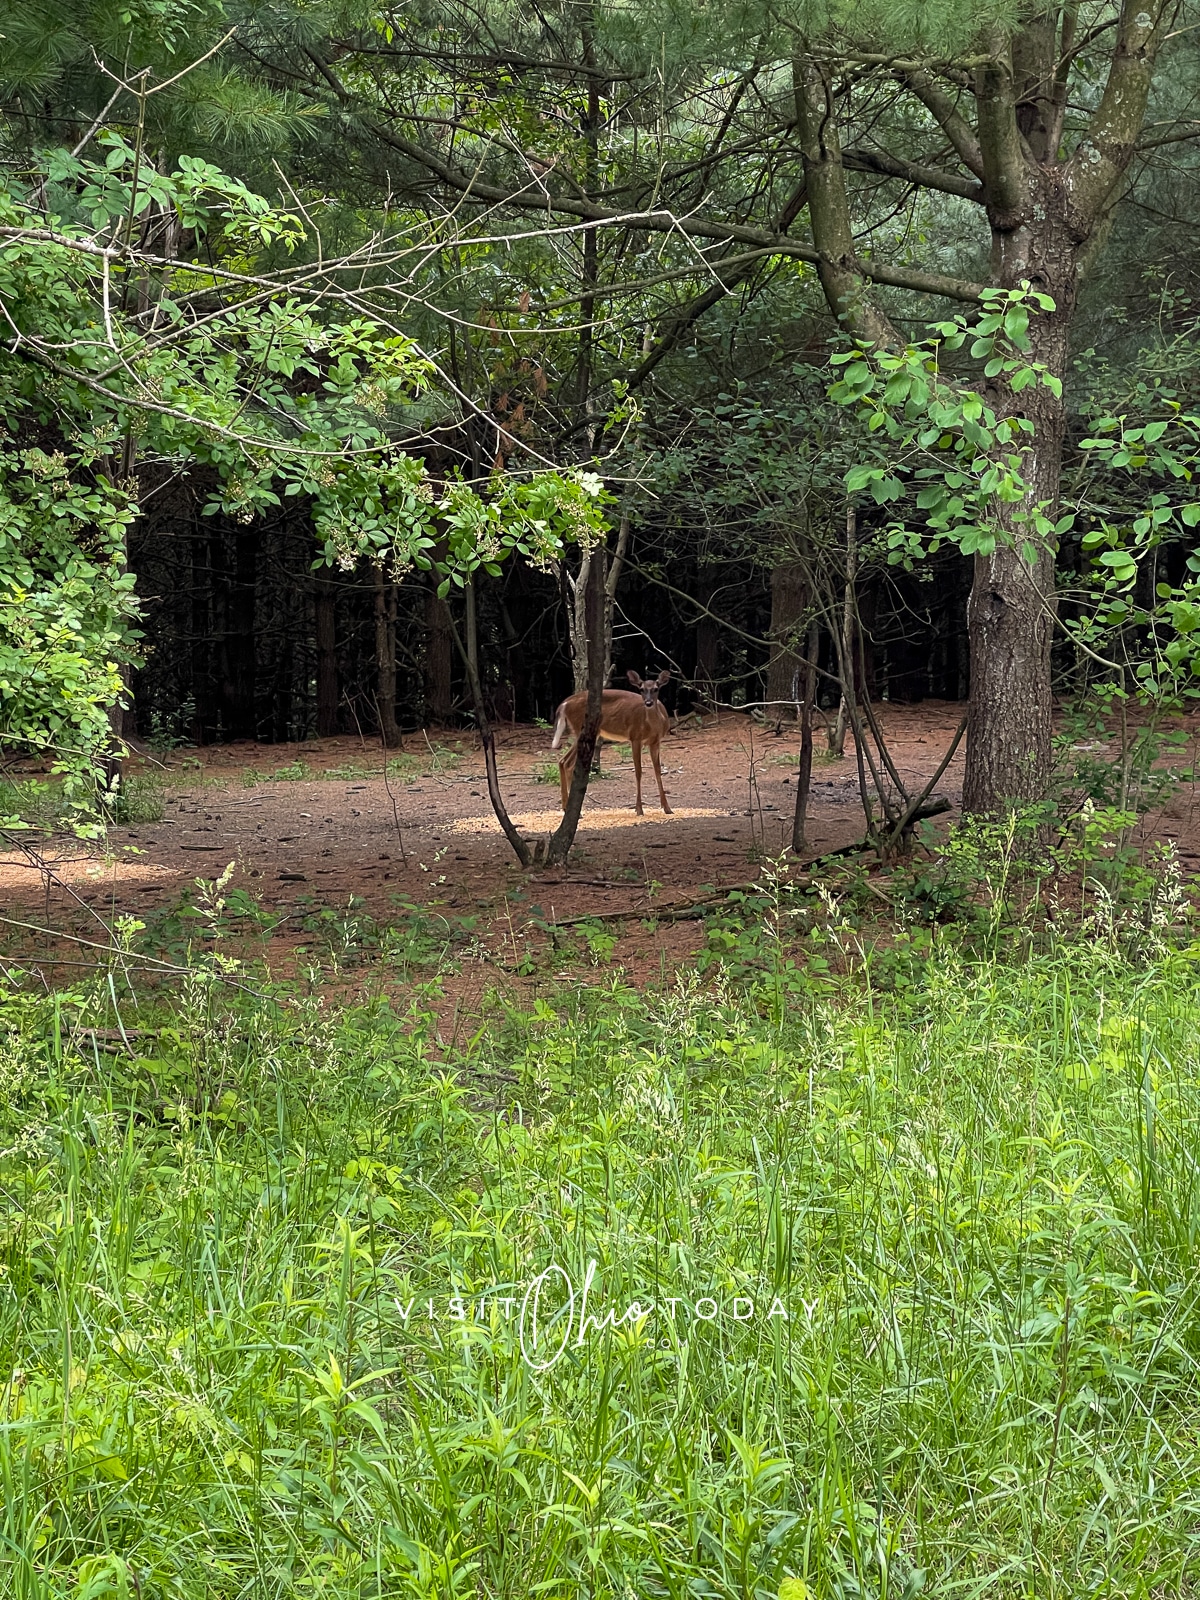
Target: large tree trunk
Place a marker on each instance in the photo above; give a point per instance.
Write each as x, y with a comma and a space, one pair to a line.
1012, 607
1047, 203
1036, 239
1008, 722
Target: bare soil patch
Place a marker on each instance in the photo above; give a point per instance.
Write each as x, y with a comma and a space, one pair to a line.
317, 825
320, 814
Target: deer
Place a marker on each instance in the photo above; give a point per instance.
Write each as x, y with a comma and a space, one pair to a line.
636, 719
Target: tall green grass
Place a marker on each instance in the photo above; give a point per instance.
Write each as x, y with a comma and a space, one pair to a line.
974, 1195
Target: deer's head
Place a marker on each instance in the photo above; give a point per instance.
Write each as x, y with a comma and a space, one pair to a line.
648, 687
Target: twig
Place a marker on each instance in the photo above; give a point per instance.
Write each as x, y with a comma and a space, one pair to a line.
148, 962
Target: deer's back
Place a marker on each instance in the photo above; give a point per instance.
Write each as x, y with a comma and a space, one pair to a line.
613, 702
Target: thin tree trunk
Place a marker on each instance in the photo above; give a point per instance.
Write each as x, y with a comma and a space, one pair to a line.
785, 668
616, 564
837, 734
615, 567
708, 654
241, 654
385, 658
203, 628
472, 624
804, 774
325, 627
589, 735
521, 847
590, 594
122, 714
439, 644
577, 588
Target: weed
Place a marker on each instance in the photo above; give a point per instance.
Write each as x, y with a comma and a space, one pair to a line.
600, 940
171, 732
548, 771
1118, 767
296, 771
140, 799
34, 801
407, 767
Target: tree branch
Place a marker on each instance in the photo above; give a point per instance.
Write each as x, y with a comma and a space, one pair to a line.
663, 221
1103, 155
890, 166
737, 269
1168, 138
1000, 140
843, 277
947, 116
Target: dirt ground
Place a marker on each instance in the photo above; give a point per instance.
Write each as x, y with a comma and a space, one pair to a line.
317, 825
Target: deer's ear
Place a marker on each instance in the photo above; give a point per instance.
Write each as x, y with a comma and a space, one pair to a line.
634, 678
663, 677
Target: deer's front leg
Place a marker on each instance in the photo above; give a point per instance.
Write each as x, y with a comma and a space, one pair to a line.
637, 773
662, 793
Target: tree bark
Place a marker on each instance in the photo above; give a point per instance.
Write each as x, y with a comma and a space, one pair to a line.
1009, 718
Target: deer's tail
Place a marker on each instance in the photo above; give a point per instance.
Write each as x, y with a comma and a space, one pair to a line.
560, 727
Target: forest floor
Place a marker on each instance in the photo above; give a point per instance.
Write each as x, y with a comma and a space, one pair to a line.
316, 827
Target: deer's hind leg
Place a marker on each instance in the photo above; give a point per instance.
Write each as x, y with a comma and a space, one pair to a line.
566, 766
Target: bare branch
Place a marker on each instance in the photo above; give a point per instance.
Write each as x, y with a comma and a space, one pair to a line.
662, 221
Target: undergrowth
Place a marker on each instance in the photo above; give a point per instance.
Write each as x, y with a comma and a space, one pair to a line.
863, 1282
41, 804
407, 767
